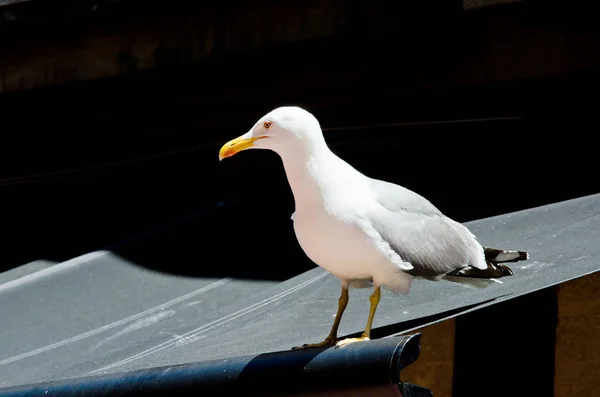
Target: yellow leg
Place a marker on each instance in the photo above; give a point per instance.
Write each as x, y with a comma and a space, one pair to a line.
374, 298
332, 337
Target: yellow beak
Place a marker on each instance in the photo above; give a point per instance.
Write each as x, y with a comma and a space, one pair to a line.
237, 145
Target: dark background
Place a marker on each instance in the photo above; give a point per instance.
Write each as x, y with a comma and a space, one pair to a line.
87, 165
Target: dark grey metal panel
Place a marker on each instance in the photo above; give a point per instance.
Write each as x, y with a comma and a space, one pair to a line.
95, 305
240, 318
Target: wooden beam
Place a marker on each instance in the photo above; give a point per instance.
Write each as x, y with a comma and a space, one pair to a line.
577, 342
434, 369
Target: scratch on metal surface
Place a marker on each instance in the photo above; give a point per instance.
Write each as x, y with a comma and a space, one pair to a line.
193, 303
189, 339
579, 258
139, 324
537, 265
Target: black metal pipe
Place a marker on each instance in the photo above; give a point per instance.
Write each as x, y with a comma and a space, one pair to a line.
372, 368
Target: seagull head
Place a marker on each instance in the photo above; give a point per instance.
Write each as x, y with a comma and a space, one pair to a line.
287, 130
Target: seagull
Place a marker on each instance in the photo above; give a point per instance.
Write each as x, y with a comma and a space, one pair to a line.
367, 232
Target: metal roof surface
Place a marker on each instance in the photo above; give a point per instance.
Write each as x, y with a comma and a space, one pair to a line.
99, 313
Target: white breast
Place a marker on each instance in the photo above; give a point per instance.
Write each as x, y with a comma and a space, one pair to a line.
340, 246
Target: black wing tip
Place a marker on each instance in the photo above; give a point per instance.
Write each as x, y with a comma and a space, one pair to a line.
493, 271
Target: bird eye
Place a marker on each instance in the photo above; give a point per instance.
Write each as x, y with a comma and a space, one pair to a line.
267, 124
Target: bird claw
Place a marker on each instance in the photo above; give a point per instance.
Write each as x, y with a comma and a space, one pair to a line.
326, 342
347, 341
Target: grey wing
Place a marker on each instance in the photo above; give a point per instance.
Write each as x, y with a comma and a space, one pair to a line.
398, 198
417, 231
434, 245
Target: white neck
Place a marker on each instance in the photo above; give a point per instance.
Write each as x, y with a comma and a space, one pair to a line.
306, 171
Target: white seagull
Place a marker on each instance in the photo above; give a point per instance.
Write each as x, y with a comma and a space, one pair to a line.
365, 231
